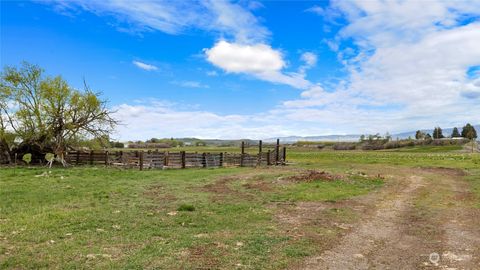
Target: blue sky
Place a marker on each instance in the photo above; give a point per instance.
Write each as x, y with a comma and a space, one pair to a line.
218, 69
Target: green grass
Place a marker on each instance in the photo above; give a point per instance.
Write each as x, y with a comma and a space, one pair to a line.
428, 149
96, 218
327, 191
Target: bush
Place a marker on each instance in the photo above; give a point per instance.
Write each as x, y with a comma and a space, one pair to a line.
374, 145
186, 207
344, 146
27, 158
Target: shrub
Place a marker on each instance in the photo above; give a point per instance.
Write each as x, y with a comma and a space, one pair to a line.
27, 158
344, 146
186, 207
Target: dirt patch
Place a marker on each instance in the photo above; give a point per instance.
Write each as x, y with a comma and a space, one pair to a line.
157, 193
205, 256
314, 175
259, 185
221, 186
408, 224
444, 171
221, 189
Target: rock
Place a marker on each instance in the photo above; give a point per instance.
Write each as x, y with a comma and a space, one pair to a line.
358, 256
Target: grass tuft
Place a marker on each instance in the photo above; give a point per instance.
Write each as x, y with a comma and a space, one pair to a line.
186, 207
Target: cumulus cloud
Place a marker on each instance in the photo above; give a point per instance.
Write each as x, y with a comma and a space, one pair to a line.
144, 66
237, 58
409, 67
164, 119
259, 60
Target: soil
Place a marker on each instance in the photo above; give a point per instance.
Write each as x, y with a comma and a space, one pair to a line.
313, 175
398, 227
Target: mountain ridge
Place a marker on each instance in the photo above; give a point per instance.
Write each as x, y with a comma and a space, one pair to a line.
355, 137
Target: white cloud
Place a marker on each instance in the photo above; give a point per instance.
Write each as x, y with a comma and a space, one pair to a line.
237, 58
316, 9
173, 17
407, 69
259, 60
161, 119
212, 73
406, 64
190, 84
144, 66
309, 58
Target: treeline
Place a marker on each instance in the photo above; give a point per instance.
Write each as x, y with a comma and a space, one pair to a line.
378, 142
468, 132
156, 143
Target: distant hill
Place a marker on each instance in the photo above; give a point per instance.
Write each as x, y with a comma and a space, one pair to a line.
356, 137
293, 139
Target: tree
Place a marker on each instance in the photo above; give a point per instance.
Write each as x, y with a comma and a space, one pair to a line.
50, 113
437, 133
469, 132
388, 137
419, 135
428, 136
455, 133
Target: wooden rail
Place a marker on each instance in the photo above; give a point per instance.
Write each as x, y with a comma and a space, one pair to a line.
181, 160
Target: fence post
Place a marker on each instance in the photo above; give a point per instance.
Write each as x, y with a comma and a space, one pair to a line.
242, 154
204, 160
106, 158
277, 152
78, 157
121, 157
268, 157
284, 158
165, 159
91, 157
183, 159
259, 153
220, 162
141, 160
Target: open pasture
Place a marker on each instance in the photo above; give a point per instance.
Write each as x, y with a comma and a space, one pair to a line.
246, 218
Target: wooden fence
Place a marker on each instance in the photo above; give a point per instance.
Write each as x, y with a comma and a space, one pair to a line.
181, 160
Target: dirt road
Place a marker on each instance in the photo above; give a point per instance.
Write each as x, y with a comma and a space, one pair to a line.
424, 219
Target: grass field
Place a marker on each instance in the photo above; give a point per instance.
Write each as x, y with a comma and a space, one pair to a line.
245, 218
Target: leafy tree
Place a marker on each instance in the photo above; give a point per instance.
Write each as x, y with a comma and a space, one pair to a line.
428, 136
388, 137
469, 132
117, 144
48, 112
419, 135
455, 133
437, 133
